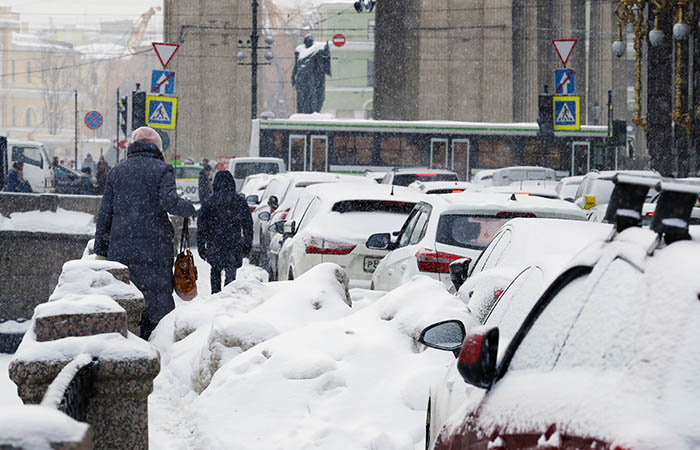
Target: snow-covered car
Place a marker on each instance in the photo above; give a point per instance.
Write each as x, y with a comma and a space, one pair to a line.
406, 176
597, 214
334, 224
253, 188
540, 188
567, 187
507, 175
598, 186
440, 187
244, 166
445, 228
299, 182
519, 243
590, 361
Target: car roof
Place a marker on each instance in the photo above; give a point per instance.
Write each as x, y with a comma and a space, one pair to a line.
425, 186
256, 159
363, 190
573, 180
414, 170
490, 203
611, 173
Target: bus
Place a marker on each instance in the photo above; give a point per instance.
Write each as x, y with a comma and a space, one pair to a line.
361, 145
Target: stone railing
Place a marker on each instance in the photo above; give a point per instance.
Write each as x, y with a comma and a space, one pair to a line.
89, 317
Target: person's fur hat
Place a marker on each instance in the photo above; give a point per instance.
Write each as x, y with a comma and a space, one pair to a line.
148, 135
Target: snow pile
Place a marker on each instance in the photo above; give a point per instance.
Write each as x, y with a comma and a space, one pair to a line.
296, 355
61, 221
90, 277
18, 427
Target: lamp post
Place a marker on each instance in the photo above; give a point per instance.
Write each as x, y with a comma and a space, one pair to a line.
664, 25
252, 44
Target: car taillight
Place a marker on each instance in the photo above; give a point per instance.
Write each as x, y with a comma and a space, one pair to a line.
252, 207
283, 215
511, 214
455, 191
497, 293
434, 262
321, 246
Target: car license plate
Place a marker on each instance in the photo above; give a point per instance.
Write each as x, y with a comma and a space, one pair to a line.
371, 263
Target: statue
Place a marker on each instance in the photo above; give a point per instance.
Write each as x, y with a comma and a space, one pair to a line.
312, 62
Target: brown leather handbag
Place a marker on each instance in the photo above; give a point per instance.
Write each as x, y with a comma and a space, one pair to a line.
185, 274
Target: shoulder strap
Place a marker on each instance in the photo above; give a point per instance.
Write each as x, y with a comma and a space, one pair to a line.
185, 236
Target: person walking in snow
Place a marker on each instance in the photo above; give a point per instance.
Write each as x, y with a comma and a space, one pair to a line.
89, 162
224, 230
133, 226
204, 184
101, 175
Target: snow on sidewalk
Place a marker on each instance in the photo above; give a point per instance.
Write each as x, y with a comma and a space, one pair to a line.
289, 365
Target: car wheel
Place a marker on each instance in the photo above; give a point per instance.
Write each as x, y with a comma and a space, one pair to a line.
290, 276
427, 427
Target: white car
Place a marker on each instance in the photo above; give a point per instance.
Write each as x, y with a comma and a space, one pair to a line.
242, 167
598, 186
567, 187
333, 222
406, 176
449, 227
507, 175
253, 188
540, 188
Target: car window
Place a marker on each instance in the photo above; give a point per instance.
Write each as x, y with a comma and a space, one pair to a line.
581, 188
27, 155
602, 189
499, 250
468, 231
408, 227
543, 342
243, 169
513, 306
486, 254
309, 213
421, 226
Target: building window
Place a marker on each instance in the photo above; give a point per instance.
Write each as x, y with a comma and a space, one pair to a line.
28, 117
370, 73
13, 70
14, 116
29, 71
370, 30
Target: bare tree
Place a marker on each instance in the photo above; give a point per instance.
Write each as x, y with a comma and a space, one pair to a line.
57, 82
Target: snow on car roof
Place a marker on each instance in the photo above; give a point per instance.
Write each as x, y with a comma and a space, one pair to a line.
364, 190
425, 186
491, 203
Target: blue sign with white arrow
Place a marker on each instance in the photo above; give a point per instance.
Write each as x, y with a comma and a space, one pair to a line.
564, 81
163, 82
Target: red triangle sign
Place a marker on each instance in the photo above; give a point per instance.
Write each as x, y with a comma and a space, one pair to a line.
564, 48
165, 51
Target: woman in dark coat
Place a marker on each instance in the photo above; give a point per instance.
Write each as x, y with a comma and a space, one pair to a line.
133, 226
224, 230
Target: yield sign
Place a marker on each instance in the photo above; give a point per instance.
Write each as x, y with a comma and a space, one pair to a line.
165, 51
564, 47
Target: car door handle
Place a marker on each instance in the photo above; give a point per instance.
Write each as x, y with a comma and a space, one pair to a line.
403, 266
389, 272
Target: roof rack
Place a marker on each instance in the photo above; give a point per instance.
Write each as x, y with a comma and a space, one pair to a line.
673, 210
627, 201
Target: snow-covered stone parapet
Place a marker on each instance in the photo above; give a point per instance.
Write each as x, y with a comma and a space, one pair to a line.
89, 277
91, 326
37, 427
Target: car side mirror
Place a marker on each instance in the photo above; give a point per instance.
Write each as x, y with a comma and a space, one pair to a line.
379, 241
273, 202
447, 335
459, 271
289, 228
264, 216
252, 199
477, 358
277, 227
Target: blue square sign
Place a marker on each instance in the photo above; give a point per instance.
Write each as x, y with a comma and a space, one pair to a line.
564, 82
163, 82
567, 114
161, 112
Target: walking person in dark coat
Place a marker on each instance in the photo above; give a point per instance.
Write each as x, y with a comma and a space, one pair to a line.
101, 175
15, 182
133, 226
204, 184
224, 230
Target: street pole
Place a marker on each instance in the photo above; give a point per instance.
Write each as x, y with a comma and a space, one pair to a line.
76, 131
118, 115
254, 63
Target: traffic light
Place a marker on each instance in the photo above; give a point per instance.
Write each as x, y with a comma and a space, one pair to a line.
123, 113
138, 109
545, 115
619, 133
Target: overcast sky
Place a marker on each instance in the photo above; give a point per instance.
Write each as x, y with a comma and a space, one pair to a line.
80, 12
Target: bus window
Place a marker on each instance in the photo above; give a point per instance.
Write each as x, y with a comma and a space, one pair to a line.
460, 158
297, 152
364, 145
494, 153
395, 151
438, 154
351, 150
319, 153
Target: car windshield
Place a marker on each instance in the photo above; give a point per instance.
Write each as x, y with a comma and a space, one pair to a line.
243, 169
468, 231
187, 172
568, 190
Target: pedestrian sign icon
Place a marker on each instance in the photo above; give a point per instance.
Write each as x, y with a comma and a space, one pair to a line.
567, 113
161, 112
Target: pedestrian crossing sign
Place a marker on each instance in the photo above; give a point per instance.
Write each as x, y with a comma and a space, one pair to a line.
567, 113
161, 112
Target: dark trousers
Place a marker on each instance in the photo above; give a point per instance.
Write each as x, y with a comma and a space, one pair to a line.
216, 276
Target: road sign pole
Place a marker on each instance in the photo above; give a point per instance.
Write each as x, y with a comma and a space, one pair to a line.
118, 114
76, 130
254, 63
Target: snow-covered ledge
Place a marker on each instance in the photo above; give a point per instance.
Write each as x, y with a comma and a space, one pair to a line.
76, 325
